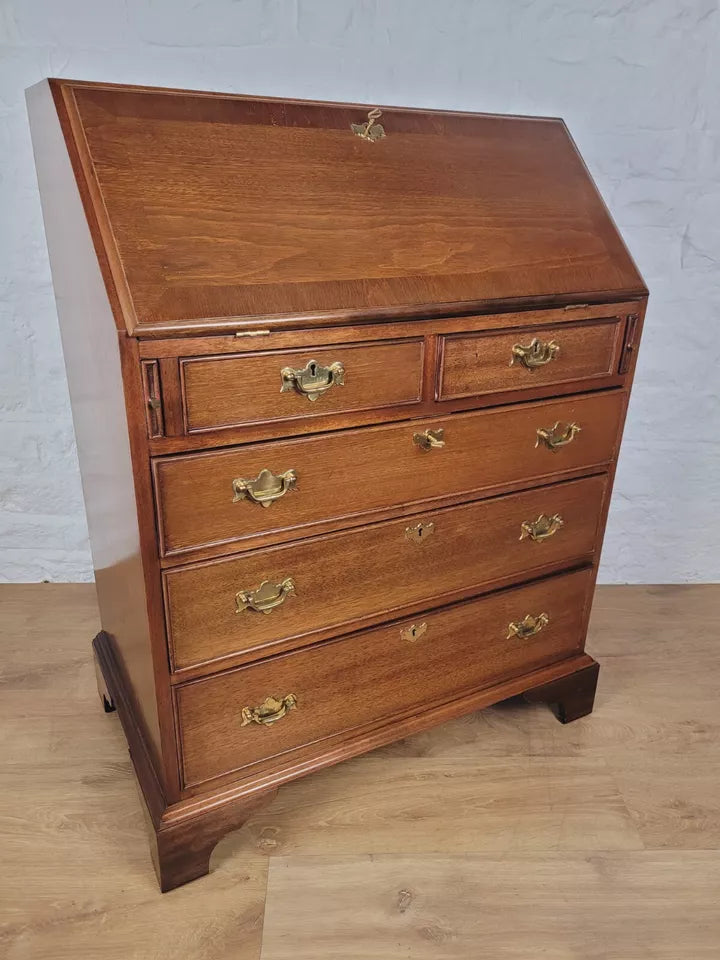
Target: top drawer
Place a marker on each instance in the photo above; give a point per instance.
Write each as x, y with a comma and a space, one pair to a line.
279, 385
480, 363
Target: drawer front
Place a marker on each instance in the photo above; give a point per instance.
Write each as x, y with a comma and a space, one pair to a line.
217, 609
383, 673
207, 498
229, 391
473, 364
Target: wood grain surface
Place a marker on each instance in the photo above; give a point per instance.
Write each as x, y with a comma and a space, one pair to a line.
499, 834
345, 477
224, 391
224, 207
471, 365
377, 675
346, 579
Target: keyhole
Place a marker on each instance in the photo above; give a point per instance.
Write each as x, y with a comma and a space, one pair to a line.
313, 369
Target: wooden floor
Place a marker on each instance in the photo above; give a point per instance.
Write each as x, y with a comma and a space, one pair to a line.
501, 835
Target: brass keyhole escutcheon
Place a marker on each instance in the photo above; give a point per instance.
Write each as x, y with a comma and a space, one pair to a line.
312, 380
370, 130
414, 632
420, 532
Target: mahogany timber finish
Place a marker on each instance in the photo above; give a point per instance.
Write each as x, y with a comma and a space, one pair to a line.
344, 579
200, 243
230, 391
377, 675
474, 364
448, 207
345, 474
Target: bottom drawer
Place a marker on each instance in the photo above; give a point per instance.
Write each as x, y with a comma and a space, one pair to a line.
330, 689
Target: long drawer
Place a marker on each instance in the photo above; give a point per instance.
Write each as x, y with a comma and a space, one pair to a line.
256, 713
285, 487
290, 593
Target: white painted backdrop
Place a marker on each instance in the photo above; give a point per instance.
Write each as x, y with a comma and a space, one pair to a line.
637, 83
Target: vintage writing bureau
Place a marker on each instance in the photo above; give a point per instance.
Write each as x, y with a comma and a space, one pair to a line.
348, 386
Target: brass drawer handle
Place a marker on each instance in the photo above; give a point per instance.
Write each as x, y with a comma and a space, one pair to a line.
414, 632
557, 436
265, 488
430, 439
536, 354
269, 711
313, 379
541, 529
528, 627
420, 532
266, 597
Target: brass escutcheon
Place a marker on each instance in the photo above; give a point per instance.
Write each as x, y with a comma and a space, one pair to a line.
557, 436
269, 711
370, 130
528, 626
420, 532
266, 597
312, 380
536, 354
414, 632
265, 488
541, 529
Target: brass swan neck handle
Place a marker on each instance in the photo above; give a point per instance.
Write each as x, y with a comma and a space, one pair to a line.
528, 626
557, 436
264, 489
536, 354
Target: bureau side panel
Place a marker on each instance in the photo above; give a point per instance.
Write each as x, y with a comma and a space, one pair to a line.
92, 360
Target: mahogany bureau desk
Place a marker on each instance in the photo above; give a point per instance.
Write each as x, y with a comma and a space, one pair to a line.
348, 385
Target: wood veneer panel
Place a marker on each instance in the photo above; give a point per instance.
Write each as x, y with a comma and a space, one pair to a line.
228, 391
341, 476
481, 363
97, 394
351, 683
342, 579
226, 207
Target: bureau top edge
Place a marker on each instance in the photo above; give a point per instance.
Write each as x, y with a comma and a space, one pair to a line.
580, 307
211, 212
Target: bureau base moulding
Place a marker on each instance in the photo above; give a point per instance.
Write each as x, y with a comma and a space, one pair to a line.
183, 835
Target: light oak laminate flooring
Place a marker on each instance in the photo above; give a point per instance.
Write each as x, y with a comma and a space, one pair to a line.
502, 834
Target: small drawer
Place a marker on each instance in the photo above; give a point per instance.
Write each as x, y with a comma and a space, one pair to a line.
282, 489
475, 364
294, 593
231, 721
229, 391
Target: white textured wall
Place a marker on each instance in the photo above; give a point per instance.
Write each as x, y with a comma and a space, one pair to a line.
637, 83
